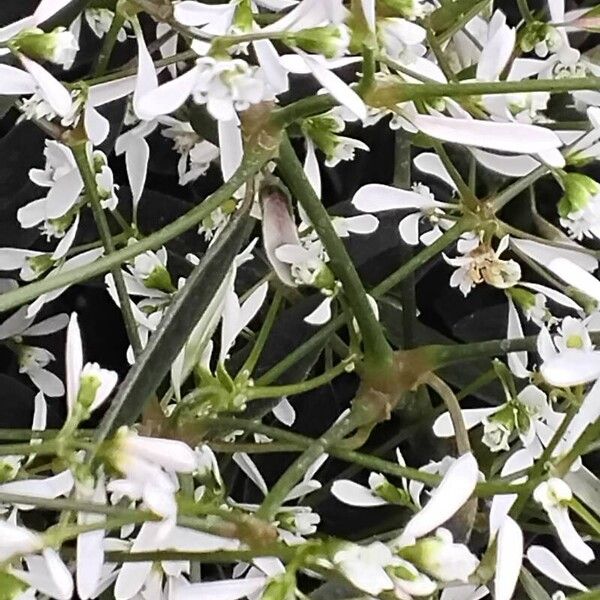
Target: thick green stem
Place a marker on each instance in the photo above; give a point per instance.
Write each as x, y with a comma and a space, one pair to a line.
251, 164
378, 353
277, 494
82, 160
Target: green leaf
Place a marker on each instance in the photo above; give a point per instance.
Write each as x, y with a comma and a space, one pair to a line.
532, 587
186, 310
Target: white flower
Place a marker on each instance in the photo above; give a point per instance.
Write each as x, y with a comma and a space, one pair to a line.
33, 360
554, 496
88, 386
365, 566
100, 20
481, 263
440, 557
225, 86
569, 358
401, 39
150, 464
375, 197
452, 492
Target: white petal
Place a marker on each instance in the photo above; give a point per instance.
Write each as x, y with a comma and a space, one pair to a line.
40, 413
432, 164
61, 576
48, 8
517, 361
231, 147
13, 258
321, 314
507, 137
575, 276
46, 381
103, 93
350, 492
63, 194
443, 428
48, 326
284, 412
340, 90
172, 455
67, 241
50, 88
509, 556
146, 81
453, 491
15, 81
90, 560
228, 589
496, 54
274, 72
168, 97
73, 361
193, 13
32, 214
50, 487
361, 224
246, 464
549, 565
544, 254
311, 167
97, 127
376, 197
512, 166
136, 162
569, 536
554, 295
571, 367
409, 228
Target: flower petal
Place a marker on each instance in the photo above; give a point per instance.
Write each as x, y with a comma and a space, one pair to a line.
549, 565
453, 491
507, 137
354, 494
509, 556
377, 197
50, 88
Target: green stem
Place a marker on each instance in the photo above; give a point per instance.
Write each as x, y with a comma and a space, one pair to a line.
110, 39
525, 11
80, 154
251, 164
589, 436
285, 553
277, 494
402, 179
374, 463
293, 389
378, 353
404, 92
263, 334
517, 187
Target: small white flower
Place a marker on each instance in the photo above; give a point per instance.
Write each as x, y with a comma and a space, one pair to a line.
554, 496
365, 566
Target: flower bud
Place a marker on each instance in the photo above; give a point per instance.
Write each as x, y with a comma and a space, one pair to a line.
579, 190
441, 558
330, 41
58, 46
